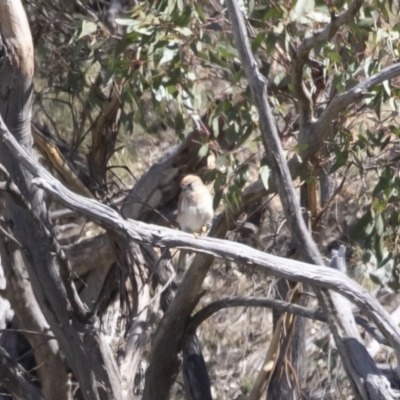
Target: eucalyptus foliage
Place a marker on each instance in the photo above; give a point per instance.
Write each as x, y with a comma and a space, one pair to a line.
177, 58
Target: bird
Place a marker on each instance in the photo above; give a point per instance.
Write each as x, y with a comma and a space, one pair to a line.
195, 207
195, 214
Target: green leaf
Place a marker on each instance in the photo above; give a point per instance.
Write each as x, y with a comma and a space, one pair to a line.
88, 27
380, 249
264, 172
270, 41
386, 86
301, 147
335, 57
341, 159
184, 31
215, 127
383, 184
182, 18
200, 13
363, 227
203, 150
379, 225
245, 135
257, 42
272, 13
377, 102
127, 22
179, 124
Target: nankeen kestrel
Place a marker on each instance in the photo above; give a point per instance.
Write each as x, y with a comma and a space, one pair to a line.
195, 208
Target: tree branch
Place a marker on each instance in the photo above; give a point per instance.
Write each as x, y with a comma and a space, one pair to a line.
300, 57
301, 236
364, 376
271, 140
322, 128
327, 33
164, 237
276, 304
13, 378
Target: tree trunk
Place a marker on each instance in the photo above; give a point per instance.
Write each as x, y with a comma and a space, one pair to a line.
90, 359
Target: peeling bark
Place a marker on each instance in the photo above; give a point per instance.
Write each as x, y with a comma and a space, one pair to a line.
90, 359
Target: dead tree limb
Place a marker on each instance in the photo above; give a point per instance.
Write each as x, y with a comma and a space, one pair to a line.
278, 165
316, 276
283, 306
87, 354
300, 57
16, 380
321, 128
356, 360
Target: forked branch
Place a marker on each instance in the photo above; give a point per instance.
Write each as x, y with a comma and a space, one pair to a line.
322, 128
155, 235
300, 57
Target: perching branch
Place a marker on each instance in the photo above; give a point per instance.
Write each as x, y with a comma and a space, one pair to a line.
155, 235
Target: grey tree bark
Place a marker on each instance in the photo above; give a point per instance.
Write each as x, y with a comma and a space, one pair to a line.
72, 323
276, 159
16, 52
27, 222
169, 338
16, 380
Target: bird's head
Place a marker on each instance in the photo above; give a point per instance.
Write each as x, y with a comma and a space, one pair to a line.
190, 182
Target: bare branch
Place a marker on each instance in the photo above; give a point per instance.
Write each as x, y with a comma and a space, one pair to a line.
364, 376
271, 140
14, 378
283, 306
301, 57
164, 237
301, 235
327, 33
322, 128
248, 301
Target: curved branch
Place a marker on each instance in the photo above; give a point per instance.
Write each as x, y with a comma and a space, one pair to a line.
155, 235
266, 302
280, 305
271, 141
327, 33
13, 378
301, 54
321, 128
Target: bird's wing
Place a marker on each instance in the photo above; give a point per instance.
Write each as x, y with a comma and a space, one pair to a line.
180, 204
183, 203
